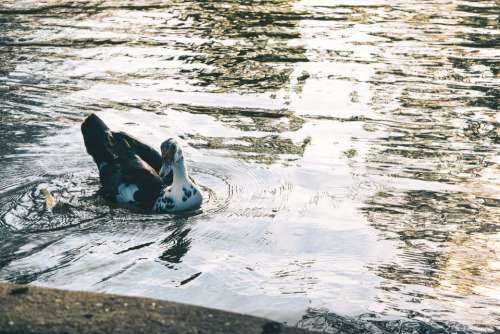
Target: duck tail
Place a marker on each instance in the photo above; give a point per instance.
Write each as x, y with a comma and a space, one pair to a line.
98, 140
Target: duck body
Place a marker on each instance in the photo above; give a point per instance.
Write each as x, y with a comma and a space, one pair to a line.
133, 172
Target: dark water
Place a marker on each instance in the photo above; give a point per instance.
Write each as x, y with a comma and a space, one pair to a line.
348, 150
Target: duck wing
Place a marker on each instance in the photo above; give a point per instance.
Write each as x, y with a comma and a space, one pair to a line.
132, 171
144, 151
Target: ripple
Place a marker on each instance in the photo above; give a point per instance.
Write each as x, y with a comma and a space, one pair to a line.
29, 213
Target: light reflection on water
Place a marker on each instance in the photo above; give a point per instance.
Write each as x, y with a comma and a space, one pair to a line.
349, 153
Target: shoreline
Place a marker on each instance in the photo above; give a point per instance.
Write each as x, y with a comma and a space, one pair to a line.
31, 309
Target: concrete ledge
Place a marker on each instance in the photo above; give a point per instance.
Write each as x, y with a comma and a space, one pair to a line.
29, 309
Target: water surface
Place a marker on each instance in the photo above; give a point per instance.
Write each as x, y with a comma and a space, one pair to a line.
348, 152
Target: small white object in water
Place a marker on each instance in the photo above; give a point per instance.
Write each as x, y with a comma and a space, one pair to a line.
50, 201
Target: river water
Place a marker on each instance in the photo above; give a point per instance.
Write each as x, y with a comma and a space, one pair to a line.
348, 152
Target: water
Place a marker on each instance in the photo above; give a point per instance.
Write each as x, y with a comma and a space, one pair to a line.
348, 151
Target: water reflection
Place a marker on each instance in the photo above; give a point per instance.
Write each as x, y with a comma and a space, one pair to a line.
253, 53
177, 243
348, 152
445, 233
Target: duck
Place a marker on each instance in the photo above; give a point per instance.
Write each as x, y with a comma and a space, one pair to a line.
132, 172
